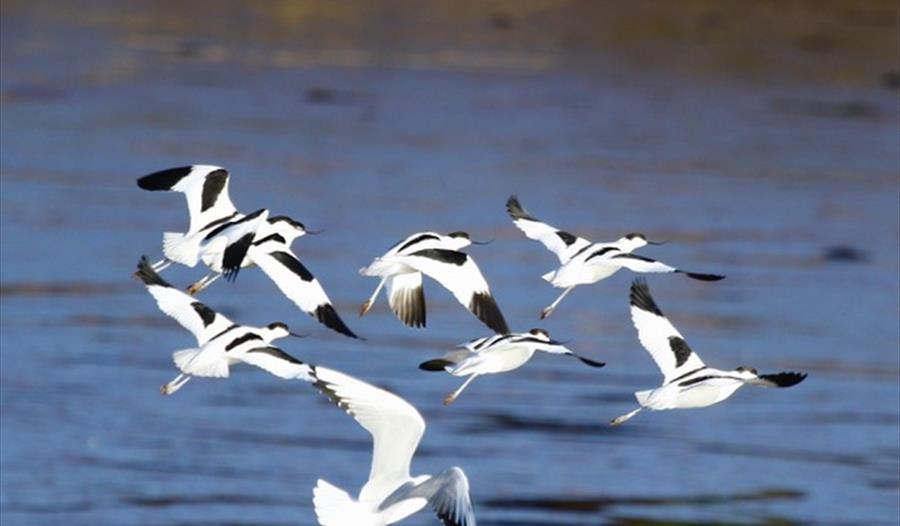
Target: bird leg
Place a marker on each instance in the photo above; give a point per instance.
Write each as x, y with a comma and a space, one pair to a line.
364, 308
619, 419
549, 309
204, 282
450, 398
175, 384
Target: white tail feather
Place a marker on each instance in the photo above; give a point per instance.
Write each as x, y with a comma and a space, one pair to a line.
180, 248
549, 277
196, 362
335, 507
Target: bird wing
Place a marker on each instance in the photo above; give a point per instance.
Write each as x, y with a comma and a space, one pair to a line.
278, 362
665, 344
231, 240
458, 273
203, 322
298, 284
448, 494
395, 425
644, 264
407, 298
561, 243
205, 188
783, 379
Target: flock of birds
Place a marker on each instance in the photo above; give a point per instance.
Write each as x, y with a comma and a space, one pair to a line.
226, 241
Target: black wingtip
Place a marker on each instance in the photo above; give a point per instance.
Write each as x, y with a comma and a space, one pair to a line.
786, 379
485, 309
149, 276
438, 364
329, 317
640, 297
163, 180
515, 210
234, 256
703, 277
588, 361
410, 307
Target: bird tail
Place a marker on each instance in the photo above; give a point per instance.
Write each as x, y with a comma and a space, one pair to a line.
181, 248
197, 363
335, 507
549, 277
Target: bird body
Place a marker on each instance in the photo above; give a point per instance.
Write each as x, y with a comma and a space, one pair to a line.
687, 381
583, 262
496, 354
391, 493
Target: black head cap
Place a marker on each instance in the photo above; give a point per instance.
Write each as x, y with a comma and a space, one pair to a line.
539, 332
286, 219
277, 325
750, 369
461, 234
633, 235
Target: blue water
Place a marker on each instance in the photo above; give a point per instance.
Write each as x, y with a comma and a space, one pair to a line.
733, 181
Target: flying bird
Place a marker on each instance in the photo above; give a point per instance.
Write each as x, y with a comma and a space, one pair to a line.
227, 241
687, 381
391, 493
438, 257
497, 354
220, 342
583, 262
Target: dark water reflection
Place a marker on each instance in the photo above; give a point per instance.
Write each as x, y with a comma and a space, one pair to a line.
773, 162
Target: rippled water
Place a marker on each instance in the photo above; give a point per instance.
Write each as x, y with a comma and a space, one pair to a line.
789, 190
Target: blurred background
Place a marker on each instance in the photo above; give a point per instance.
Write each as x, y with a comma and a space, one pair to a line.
760, 139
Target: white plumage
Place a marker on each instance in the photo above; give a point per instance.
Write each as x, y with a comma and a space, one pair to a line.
687, 381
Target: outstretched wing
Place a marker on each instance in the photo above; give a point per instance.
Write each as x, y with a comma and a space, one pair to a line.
644, 264
205, 187
561, 243
458, 273
783, 379
395, 425
203, 322
665, 344
298, 284
278, 362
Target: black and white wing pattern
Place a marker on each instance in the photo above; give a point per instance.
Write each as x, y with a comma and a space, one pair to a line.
395, 425
298, 284
205, 187
560, 242
406, 297
783, 379
203, 322
643, 264
229, 242
277, 362
665, 344
457, 272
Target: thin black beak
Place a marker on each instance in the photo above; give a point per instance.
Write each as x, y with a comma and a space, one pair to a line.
488, 242
298, 335
314, 232
656, 242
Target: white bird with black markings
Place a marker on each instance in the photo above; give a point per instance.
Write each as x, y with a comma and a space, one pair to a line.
687, 382
218, 234
391, 493
271, 252
220, 342
583, 262
497, 354
439, 257
227, 241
